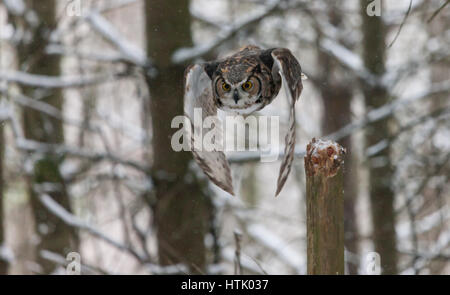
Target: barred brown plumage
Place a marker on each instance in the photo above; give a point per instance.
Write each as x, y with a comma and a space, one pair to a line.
242, 84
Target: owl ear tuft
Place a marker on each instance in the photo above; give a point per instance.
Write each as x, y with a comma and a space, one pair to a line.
210, 68
267, 58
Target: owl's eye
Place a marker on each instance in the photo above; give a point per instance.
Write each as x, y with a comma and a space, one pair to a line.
226, 86
247, 85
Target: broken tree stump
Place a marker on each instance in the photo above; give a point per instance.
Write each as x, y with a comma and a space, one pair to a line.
325, 207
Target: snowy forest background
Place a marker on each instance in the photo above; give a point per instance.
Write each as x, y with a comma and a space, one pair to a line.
88, 90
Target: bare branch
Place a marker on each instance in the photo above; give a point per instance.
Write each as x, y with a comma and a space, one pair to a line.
130, 52
58, 259
437, 11
167, 270
184, 54
56, 82
99, 57
401, 25
36, 146
371, 117
388, 110
73, 221
264, 236
348, 59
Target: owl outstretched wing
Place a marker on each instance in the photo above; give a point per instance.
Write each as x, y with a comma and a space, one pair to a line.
198, 96
290, 71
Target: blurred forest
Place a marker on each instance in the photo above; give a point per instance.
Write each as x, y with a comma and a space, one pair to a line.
88, 90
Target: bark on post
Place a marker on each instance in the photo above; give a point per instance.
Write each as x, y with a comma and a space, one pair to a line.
325, 207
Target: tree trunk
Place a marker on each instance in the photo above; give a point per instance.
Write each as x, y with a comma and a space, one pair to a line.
380, 169
337, 114
3, 262
324, 208
181, 211
337, 93
53, 234
439, 73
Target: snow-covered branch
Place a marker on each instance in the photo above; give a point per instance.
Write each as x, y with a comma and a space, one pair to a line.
74, 221
262, 235
28, 145
389, 109
348, 59
60, 260
184, 54
370, 118
43, 81
61, 149
130, 52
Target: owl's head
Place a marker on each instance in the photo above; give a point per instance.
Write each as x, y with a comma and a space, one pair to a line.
237, 84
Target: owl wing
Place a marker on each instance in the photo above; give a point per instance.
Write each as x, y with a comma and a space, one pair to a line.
291, 75
198, 95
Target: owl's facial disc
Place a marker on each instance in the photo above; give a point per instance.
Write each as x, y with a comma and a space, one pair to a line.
242, 97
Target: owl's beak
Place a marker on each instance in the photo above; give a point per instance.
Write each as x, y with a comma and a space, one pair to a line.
236, 96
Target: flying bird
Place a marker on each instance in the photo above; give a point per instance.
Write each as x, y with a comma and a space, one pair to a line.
242, 83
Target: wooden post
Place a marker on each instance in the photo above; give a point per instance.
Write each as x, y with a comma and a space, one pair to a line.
325, 207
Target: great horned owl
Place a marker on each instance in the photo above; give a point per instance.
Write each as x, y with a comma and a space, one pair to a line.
242, 83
